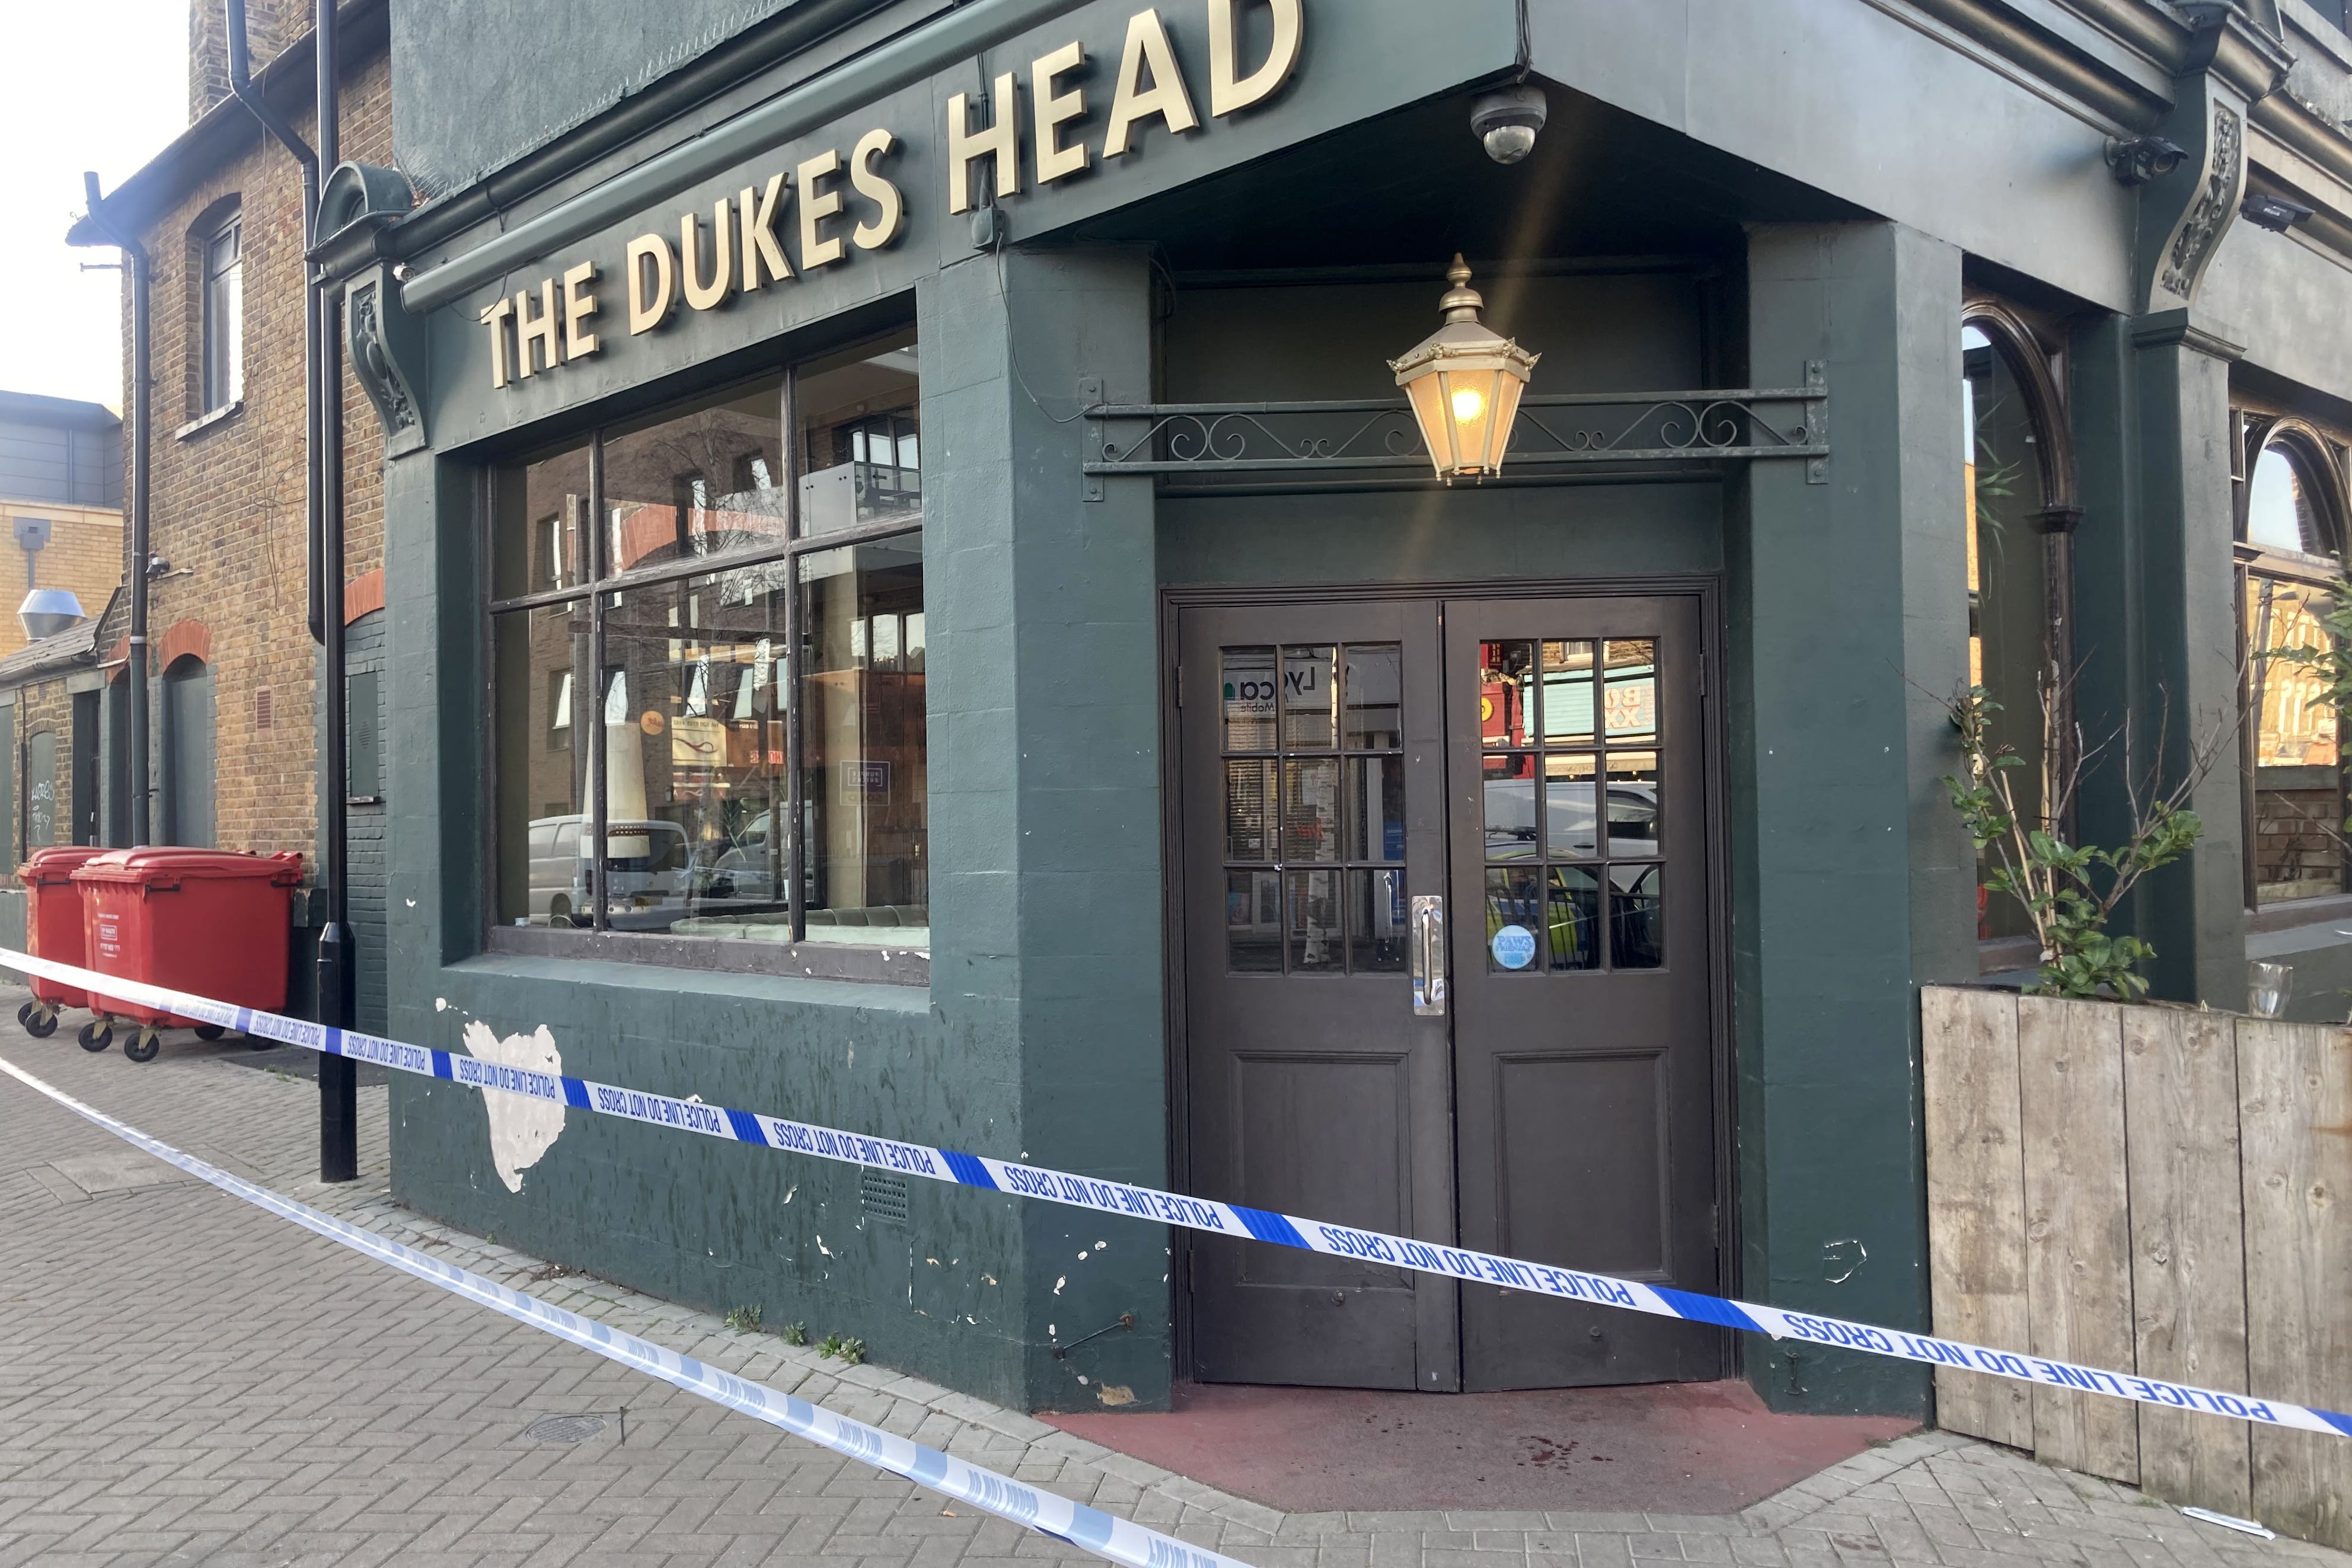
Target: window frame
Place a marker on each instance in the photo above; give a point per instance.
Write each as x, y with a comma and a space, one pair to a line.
595, 583
2318, 461
220, 370
2024, 346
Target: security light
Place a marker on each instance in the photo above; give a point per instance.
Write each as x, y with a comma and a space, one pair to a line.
1464, 382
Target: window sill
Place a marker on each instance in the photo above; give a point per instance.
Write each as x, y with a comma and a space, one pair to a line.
806, 960
2001, 955
220, 415
2289, 913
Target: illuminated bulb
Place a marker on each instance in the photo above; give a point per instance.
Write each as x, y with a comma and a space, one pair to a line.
1468, 404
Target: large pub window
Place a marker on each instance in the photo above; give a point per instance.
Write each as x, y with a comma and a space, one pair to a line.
2290, 553
707, 630
2022, 511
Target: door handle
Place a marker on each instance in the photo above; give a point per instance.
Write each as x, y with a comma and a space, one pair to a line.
1428, 954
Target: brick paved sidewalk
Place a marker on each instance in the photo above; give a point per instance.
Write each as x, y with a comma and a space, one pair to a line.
186, 1380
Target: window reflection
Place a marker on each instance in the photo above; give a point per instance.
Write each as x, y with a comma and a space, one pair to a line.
861, 441
2008, 600
2296, 789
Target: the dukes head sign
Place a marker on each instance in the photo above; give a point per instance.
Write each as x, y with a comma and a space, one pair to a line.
822, 211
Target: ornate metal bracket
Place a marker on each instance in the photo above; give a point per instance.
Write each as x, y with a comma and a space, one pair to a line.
1377, 440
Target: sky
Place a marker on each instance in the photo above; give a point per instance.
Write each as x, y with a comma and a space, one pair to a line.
92, 84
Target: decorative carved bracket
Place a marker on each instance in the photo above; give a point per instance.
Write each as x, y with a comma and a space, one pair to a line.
386, 349
2185, 210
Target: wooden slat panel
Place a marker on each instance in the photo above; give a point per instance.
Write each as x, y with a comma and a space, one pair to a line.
2188, 1248
2294, 1088
1976, 1203
2078, 1226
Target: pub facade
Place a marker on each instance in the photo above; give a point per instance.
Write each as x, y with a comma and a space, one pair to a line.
930, 587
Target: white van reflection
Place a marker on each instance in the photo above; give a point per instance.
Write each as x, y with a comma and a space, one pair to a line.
1569, 831
645, 869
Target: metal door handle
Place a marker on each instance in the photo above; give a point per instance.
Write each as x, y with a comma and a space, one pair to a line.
1428, 955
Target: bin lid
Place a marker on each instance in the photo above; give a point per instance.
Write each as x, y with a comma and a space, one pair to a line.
52, 866
168, 866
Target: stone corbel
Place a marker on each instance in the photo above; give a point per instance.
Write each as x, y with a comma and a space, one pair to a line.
386, 349
2234, 59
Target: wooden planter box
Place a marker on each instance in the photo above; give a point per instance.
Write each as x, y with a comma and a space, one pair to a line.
2151, 1190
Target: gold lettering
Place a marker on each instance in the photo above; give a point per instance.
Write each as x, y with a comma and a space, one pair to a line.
1055, 110
1230, 92
580, 304
816, 206
759, 245
999, 140
649, 308
700, 294
891, 214
1148, 50
495, 317
541, 329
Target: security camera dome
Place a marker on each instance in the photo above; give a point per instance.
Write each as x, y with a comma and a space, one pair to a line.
1505, 122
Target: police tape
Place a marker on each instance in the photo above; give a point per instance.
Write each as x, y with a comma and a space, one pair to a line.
1208, 1216
1048, 1514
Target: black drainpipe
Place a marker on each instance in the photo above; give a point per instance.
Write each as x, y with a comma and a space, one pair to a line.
135, 256
339, 1112
240, 82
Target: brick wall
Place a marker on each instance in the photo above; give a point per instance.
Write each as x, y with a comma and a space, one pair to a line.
84, 554
227, 507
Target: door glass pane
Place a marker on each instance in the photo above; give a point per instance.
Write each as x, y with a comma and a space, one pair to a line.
1510, 796
1249, 688
1631, 703
1569, 829
1634, 796
1575, 918
1311, 807
1567, 692
1253, 922
1637, 930
1513, 917
1376, 922
1249, 810
1375, 689
1309, 697
1505, 673
1375, 814
1313, 897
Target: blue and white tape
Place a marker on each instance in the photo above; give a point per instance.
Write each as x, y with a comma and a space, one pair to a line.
1048, 1514
1205, 1215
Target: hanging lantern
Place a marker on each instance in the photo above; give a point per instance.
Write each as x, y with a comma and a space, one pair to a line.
1465, 382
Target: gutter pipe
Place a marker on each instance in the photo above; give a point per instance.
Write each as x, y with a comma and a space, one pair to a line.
240, 82
339, 1110
134, 256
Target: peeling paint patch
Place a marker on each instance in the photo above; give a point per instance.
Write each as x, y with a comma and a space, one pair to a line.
988, 1279
1841, 1258
823, 1248
521, 1130
1115, 1395
440, 1004
791, 1192
1059, 1284
1102, 1246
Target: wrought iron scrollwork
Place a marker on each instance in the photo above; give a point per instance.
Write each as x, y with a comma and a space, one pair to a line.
1377, 439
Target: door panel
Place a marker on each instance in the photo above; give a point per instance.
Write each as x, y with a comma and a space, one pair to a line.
1313, 800
1582, 1043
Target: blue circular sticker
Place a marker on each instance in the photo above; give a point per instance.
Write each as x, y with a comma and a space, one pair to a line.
1514, 946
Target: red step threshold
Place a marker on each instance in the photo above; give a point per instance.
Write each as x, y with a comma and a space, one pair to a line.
1687, 1447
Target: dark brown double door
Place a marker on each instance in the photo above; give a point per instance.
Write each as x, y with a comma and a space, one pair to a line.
1538, 766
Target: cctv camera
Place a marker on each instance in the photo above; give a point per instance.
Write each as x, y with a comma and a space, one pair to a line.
1507, 121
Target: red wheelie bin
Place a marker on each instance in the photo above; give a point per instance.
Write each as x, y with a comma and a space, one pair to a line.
210, 922
53, 930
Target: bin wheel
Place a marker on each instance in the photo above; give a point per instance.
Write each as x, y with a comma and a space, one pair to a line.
24, 1014
41, 1023
209, 1031
96, 1035
142, 1044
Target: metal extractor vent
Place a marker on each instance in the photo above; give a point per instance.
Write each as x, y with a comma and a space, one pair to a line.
883, 1195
